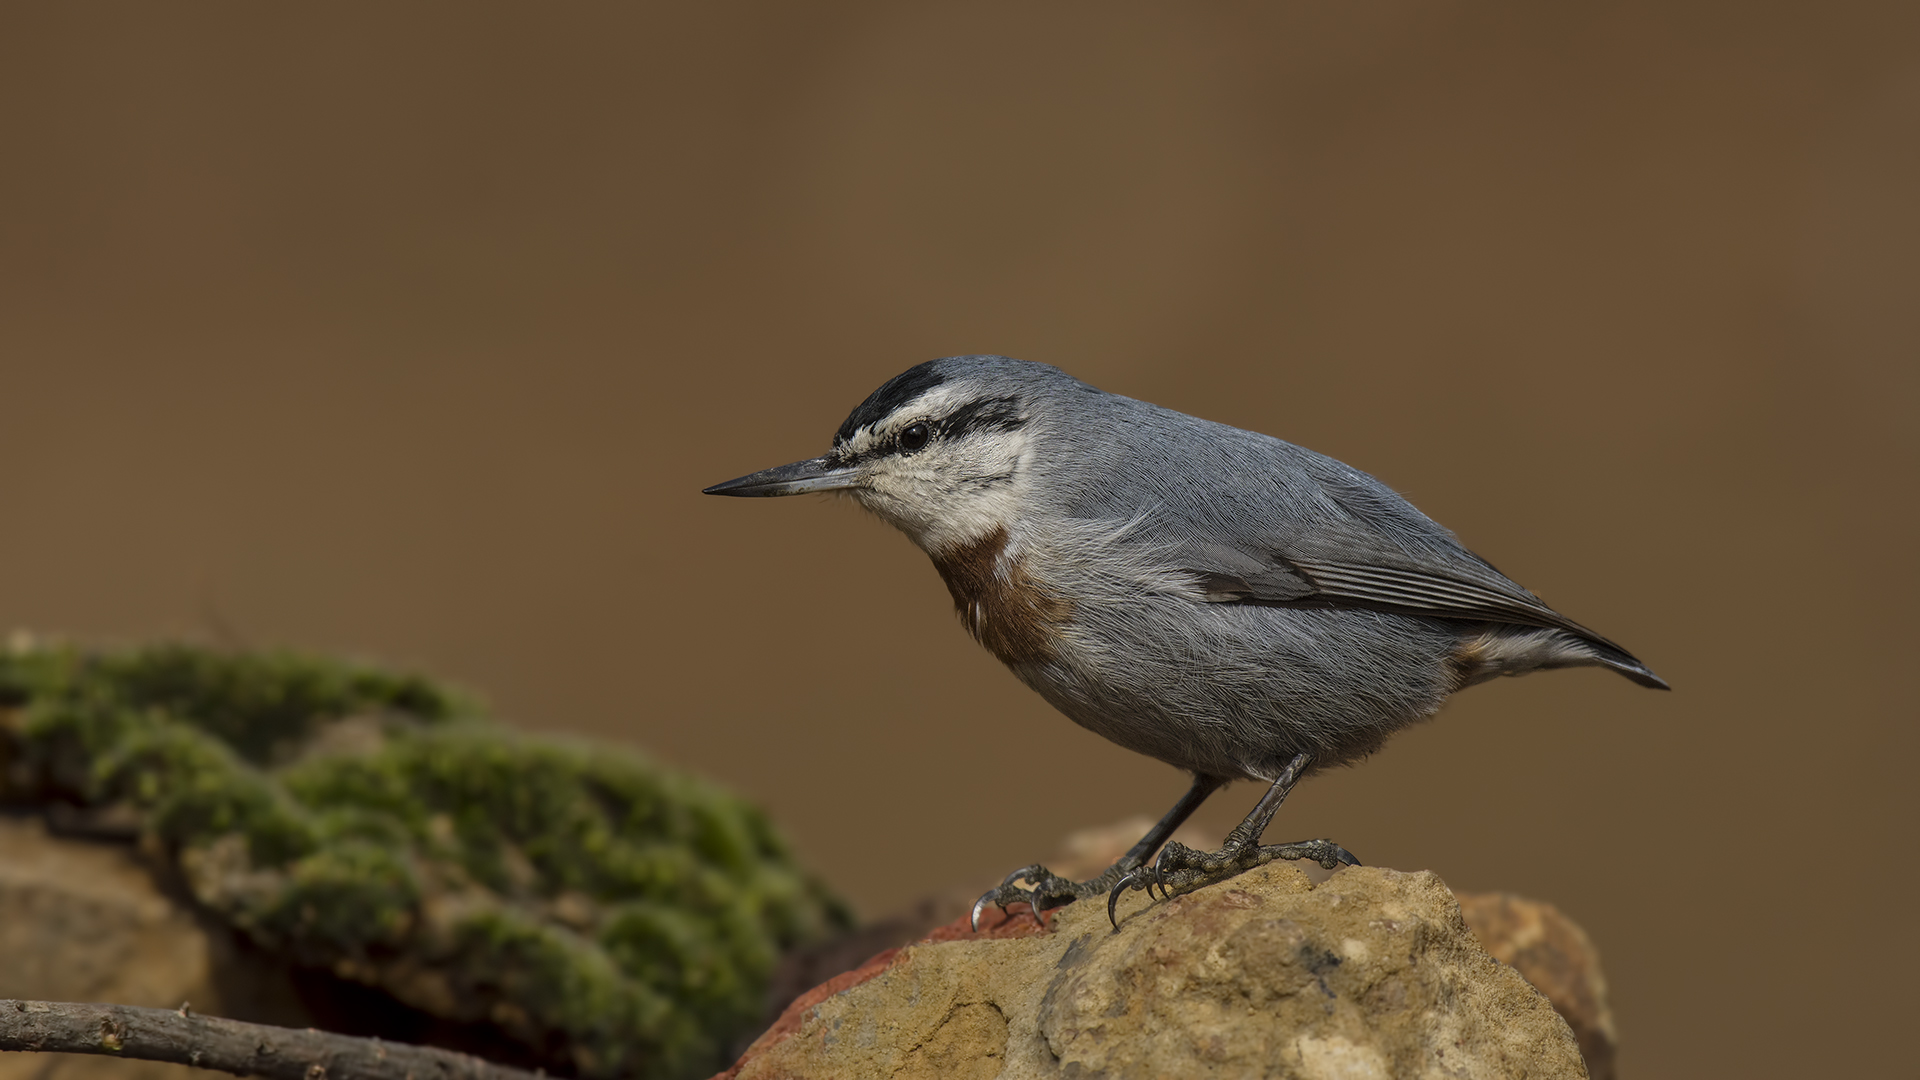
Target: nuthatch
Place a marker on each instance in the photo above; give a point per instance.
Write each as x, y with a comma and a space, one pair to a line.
1234, 605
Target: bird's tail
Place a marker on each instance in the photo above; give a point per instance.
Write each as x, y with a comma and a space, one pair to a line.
1609, 655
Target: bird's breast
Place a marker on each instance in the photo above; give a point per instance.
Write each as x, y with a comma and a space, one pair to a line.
1017, 618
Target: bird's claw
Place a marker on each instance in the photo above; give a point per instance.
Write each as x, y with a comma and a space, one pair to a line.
1113, 897
1035, 873
1174, 856
1140, 877
1181, 869
1046, 886
980, 905
1146, 878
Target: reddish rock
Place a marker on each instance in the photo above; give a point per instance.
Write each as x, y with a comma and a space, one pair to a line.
994, 926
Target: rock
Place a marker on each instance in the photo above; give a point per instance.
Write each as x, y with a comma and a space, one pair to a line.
540, 902
1556, 956
1372, 973
86, 921
1084, 854
1535, 938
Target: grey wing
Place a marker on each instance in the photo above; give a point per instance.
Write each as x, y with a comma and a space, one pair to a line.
1351, 542
1386, 581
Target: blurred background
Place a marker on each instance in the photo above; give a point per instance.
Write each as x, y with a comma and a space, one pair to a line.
412, 332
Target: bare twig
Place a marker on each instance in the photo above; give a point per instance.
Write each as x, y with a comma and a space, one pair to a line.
210, 1042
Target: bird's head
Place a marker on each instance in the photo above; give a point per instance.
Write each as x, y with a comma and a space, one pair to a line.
944, 451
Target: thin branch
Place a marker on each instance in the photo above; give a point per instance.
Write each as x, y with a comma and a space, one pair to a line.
210, 1042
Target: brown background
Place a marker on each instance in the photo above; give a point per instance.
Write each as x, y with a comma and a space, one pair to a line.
413, 331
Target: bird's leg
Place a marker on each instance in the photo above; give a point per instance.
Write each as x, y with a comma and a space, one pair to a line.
1180, 869
1049, 891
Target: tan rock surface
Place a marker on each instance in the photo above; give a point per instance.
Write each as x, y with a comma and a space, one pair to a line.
1083, 854
1373, 973
1556, 956
85, 922
1545, 946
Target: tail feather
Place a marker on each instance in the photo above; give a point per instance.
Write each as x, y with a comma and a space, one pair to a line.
1608, 655
1507, 649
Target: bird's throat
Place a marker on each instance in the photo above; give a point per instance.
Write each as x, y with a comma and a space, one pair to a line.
1004, 608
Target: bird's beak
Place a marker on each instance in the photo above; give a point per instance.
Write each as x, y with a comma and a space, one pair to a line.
813, 474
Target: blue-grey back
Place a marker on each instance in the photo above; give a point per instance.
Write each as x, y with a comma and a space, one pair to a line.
1205, 485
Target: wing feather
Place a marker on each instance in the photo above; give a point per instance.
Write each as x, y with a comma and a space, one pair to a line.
1427, 592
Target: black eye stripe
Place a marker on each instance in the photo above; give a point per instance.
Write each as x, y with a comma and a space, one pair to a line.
986, 414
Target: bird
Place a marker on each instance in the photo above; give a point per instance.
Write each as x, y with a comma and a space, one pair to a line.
1231, 604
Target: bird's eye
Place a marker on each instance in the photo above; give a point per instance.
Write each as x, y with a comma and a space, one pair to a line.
914, 436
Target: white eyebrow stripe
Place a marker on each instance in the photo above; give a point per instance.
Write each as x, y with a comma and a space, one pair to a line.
935, 402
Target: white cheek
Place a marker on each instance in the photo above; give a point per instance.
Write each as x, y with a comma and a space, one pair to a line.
924, 500
974, 514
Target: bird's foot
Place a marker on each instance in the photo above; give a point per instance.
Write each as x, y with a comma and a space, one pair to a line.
1044, 890
1181, 869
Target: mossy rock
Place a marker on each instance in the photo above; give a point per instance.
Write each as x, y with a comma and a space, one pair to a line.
614, 916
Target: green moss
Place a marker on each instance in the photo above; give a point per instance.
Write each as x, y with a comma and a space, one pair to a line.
254, 703
349, 897
620, 917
